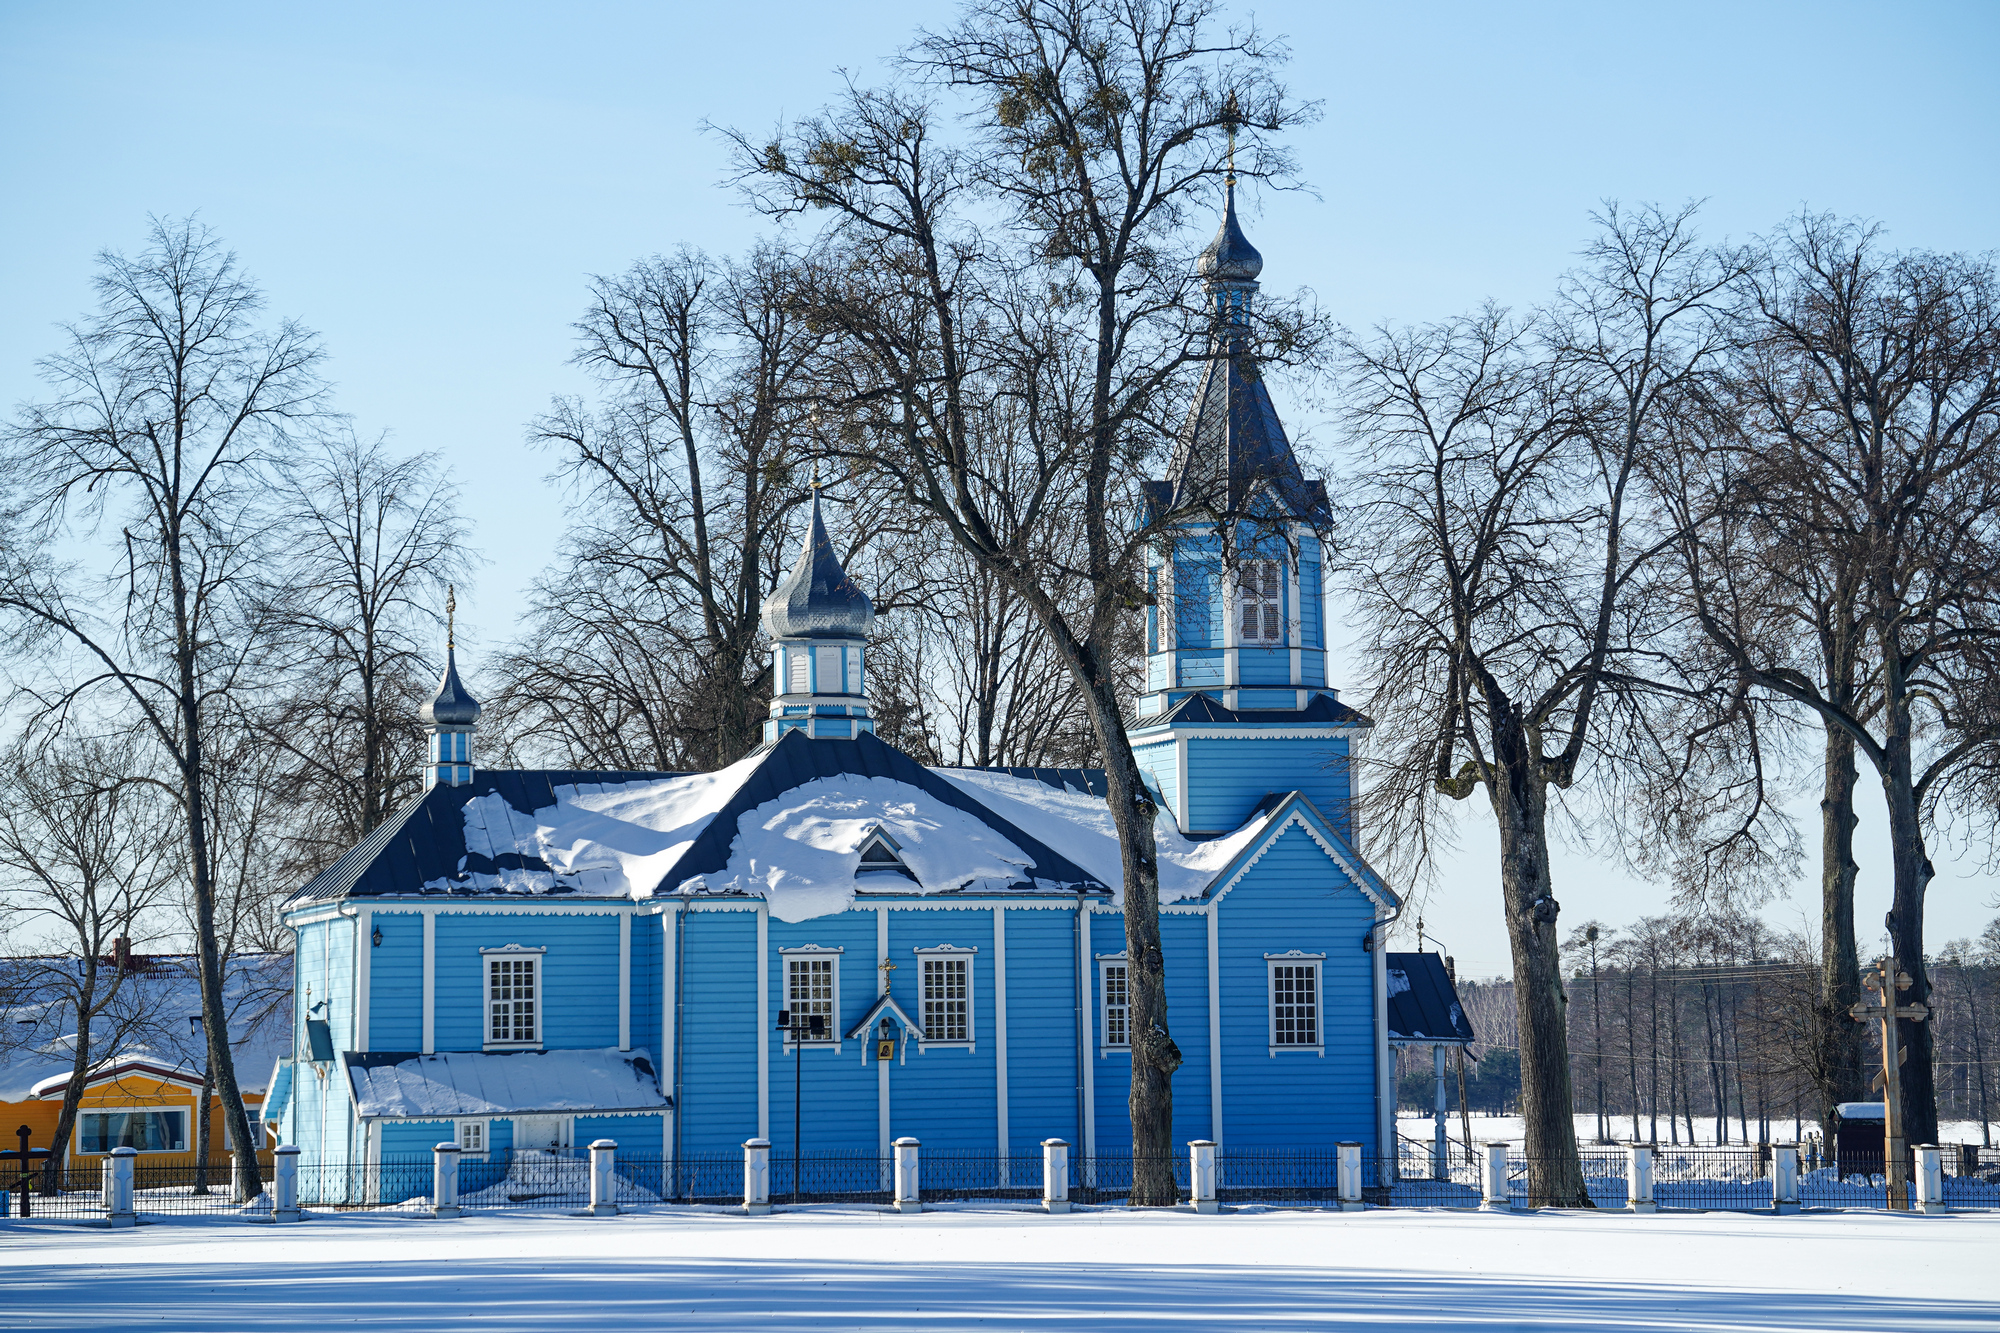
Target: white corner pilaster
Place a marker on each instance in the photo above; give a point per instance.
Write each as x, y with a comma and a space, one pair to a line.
881, 1066
430, 982
1086, 1022
624, 981
1215, 1024
364, 958
1000, 1039
763, 1020
1385, 1091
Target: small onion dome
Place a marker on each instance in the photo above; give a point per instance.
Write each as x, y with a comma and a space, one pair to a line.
1230, 257
454, 705
817, 600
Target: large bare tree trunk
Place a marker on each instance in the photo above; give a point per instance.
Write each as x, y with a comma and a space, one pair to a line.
1906, 931
1838, 1049
1555, 1175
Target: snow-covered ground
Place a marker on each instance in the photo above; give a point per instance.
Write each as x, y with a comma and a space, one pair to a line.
837, 1269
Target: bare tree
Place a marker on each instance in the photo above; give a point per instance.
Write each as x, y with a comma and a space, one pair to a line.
86, 856
1863, 453
373, 541
1096, 125
174, 408
642, 643
1504, 554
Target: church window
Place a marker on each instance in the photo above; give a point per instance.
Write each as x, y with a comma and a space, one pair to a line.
812, 987
799, 665
945, 986
472, 1136
1295, 1001
513, 996
881, 852
1115, 982
854, 671
1259, 607
829, 671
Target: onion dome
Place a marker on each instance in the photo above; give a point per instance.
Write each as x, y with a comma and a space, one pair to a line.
817, 600
454, 705
1230, 257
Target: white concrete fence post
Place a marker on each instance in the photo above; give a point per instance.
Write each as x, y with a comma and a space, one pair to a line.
757, 1177
285, 1183
1347, 1176
1201, 1176
909, 1197
1639, 1178
1493, 1178
1785, 1178
1930, 1178
118, 1186
603, 1184
444, 1180
1055, 1176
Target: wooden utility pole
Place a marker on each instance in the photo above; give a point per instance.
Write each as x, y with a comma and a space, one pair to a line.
1885, 979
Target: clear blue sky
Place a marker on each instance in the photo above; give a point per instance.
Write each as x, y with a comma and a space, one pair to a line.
429, 185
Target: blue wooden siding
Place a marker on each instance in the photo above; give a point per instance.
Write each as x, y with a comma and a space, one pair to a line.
1044, 1082
718, 1107
396, 983
1162, 762
1296, 898
1201, 669
1312, 667
1226, 778
1184, 941
1264, 666
1312, 625
579, 976
945, 1097
838, 1093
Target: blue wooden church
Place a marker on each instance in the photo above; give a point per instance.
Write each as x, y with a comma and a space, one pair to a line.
528, 960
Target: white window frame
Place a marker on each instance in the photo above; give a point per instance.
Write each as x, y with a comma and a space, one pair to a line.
1296, 958
536, 956
481, 1129
798, 670
1167, 637
1252, 576
941, 953
852, 656
811, 952
1105, 962
186, 1113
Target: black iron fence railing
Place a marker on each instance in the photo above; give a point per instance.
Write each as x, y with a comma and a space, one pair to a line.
1683, 1179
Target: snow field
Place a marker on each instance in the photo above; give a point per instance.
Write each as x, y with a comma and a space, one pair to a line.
838, 1268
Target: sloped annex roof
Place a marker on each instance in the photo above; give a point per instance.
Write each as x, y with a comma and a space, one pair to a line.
1423, 1004
405, 1084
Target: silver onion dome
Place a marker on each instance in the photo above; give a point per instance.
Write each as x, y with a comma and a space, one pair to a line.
817, 600
454, 705
1230, 257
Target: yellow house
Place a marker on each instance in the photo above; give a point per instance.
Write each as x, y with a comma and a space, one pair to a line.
136, 1103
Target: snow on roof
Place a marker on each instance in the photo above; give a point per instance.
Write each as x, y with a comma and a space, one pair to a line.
453, 1083
1079, 826
801, 851
151, 1025
609, 838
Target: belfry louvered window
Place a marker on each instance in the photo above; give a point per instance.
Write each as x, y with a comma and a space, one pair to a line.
1259, 606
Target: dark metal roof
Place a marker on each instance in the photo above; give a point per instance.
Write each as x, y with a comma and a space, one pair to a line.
1320, 710
425, 840
1086, 781
1423, 1004
817, 599
1233, 450
454, 705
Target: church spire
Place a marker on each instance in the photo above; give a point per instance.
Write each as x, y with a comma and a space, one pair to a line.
449, 718
818, 619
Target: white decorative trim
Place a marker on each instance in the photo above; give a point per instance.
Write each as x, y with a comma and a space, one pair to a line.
1270, 839
515, 948
969, 955
945, 948
1295, 956
487, 955
810, 952
808, 948
1233, 731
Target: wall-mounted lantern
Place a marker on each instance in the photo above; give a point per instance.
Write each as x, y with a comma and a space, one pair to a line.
885, 1041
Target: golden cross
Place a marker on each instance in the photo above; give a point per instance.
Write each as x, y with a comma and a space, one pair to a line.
1229, 114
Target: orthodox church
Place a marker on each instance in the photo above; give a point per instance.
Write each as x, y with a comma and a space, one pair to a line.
830, 946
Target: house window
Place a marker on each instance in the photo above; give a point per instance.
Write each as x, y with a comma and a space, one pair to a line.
945, 988
98, 1132
1114, 988
1259, 611
1295, 1023
513, 996
472, 1136
812, 986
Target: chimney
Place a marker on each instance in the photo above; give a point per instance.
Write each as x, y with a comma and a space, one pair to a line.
121, 954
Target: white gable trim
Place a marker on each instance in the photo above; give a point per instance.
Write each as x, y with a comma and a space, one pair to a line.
1355, 872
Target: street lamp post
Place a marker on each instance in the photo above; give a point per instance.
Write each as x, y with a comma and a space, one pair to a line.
813, 1028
